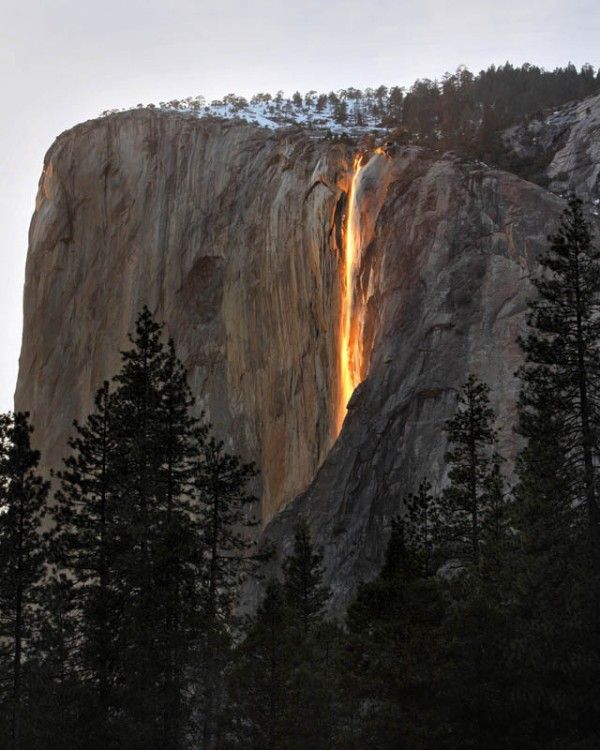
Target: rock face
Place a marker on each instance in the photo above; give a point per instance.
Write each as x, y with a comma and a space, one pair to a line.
227, 232
566, 144
233, 236
448, 265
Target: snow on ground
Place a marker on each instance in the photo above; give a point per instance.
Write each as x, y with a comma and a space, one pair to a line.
275, 114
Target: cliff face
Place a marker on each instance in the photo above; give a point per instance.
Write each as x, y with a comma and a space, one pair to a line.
233, 235
227, 232
448, 263
567, 145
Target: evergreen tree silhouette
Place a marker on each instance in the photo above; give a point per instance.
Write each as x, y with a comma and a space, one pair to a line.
23, 495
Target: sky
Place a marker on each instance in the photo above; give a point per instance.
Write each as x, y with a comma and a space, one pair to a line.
65, 61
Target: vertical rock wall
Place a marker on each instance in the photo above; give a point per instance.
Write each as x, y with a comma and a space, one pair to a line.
227, 232
445, 280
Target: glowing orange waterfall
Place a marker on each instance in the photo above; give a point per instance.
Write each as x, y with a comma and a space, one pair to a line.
350, 351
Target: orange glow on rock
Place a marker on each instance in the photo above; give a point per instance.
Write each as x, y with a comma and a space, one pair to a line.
350, 350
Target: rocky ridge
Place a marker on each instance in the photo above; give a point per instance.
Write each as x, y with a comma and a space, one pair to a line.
566, 145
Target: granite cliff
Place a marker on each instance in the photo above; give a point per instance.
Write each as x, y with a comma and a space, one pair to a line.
234, 236
564, 147
452, 249
227, 232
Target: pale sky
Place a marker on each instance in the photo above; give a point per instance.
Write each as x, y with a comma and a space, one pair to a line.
64, 61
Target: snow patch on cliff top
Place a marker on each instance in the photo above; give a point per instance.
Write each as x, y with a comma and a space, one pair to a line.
274, 115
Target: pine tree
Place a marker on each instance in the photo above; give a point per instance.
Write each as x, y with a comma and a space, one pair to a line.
62, 699
555, 655
150, 543
258, 678
128, 534
466, 503
285, 667
83, 543
340, 111
303, 571
477, 631
23, 495
157, 539
179, 551
470, 527
421, 529
563, 363
394, 670
224, 513
313, 646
